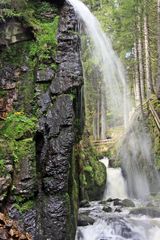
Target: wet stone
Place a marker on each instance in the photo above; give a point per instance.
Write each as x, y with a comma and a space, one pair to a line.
148, 211
84, 220
107, 209
85, 203
45, 75
128, 203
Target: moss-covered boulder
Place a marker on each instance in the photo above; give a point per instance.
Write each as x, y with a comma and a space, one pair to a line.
92, 171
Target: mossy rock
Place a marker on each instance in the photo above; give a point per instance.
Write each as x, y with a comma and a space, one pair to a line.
18, 126
93, 172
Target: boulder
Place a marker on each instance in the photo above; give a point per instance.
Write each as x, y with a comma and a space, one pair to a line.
148, 211
84, 220
84, 203
117, 202
13, 31
107, 209
45, 75
128, 203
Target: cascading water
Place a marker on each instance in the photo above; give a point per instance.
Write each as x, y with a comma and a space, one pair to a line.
112, 84
112, 92
116, 185
114, 96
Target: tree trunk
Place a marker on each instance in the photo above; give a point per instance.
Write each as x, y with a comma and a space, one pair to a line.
138, 90
158, 30
148, 70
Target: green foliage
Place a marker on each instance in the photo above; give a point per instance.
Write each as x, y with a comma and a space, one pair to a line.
18, 125
2, 167
17, 132
93, 173
24, 207
3, 93
14, 8
46, 40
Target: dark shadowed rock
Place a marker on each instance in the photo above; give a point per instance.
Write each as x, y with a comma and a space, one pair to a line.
118, 209
53, 224
84, 220
5, 184
151, 212
117, 202
128, 203
58, 2
70, 68
13, 31
29, 222
44, 101
45, 75
84, 203
55, 137
107, 209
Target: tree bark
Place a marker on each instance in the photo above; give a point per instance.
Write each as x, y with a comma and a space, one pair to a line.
158, 30
148, 71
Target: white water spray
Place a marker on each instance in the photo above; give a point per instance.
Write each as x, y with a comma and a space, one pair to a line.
112, 74
116, 185
114, 91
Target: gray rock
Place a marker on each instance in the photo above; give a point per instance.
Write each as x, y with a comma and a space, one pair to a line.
29, 221
55, 137
45, 75
117, 202
9, 168
44, 101
5, 183
84, 220
118, 209
107, 209
128, 203
84, 203
69, 74
13, 31
151, 212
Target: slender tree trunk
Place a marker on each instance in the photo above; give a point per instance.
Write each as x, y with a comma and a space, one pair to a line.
148, 70
158, 30
140, 61
138, 90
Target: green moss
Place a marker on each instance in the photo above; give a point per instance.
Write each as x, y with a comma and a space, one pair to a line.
24, 207
3, 93
2, 167
88, 169
92, 172
23, 149
154, 131
18, 125
13, 9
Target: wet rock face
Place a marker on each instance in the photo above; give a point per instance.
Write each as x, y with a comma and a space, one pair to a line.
56, 136
13, 31
8, 86
39, 188
58, 2
68, 57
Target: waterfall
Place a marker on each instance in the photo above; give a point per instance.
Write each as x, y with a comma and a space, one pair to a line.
111, 80
116, 185
111, 96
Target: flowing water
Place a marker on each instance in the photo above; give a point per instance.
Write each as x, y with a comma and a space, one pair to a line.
112, 80
113, 220
136, 154
116, 186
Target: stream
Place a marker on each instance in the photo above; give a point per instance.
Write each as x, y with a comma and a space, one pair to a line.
128, 209
117, 217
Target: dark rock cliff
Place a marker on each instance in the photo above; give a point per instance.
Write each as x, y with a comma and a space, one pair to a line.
38, 169
56, 135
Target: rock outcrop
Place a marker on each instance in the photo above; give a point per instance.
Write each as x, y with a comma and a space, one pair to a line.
38, 169
56, 135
